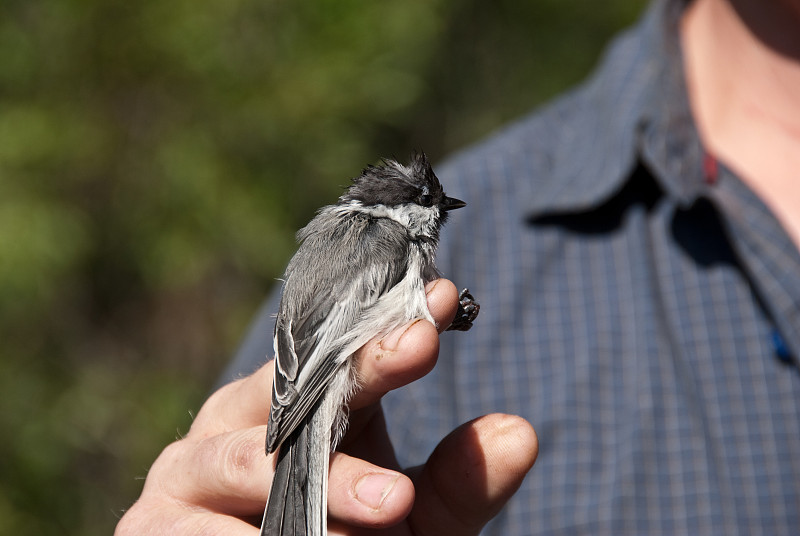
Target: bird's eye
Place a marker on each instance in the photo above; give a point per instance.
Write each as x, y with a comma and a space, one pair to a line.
425, 200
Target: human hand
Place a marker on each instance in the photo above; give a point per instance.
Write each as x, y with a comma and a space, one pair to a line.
216, 479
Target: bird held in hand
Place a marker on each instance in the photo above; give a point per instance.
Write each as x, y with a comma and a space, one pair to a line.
360, 272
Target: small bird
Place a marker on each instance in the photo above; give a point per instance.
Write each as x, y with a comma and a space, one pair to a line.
360, 272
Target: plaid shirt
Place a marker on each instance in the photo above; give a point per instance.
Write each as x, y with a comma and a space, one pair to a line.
640, 307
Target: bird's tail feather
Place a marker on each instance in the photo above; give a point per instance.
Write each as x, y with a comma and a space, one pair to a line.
300, 481
298, 500
285, 514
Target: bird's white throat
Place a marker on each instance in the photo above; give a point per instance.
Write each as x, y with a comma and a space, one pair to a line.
420, 221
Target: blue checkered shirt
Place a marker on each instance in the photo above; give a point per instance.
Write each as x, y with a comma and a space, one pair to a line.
640, 307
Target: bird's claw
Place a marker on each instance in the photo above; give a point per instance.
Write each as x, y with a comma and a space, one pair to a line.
467, 312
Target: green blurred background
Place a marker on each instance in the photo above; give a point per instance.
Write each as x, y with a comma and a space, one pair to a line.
156, 158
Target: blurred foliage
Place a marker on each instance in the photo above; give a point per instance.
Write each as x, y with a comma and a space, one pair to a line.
156, 158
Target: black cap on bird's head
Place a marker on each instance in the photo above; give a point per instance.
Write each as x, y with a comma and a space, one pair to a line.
393, 184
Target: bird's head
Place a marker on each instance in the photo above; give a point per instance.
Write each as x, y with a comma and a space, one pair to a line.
411, 195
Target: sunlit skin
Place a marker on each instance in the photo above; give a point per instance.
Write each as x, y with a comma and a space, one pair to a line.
216, 479
743, 71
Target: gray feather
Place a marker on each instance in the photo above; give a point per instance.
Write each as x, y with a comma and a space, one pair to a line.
311, 305
360, 272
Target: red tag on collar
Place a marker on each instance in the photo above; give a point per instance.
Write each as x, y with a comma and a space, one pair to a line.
710, 168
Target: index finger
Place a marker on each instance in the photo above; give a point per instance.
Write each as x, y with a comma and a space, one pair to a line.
408, 353
383, 364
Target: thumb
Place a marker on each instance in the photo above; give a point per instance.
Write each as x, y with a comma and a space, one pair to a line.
471, 475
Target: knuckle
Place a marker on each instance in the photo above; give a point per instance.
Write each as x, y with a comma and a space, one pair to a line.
190, 472
234, 459
167, 461
170, 476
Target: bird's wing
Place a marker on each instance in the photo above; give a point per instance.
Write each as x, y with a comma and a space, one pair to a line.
331, 281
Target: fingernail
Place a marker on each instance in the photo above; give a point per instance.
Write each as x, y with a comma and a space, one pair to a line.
373, 488
393, 339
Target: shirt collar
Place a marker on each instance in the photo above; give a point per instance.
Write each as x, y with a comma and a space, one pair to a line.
635, 110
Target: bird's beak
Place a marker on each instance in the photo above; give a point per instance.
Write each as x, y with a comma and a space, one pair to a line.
451, 203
